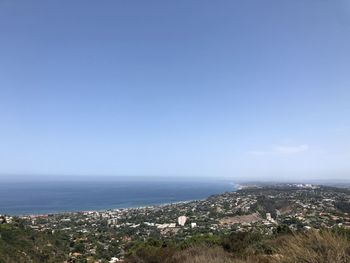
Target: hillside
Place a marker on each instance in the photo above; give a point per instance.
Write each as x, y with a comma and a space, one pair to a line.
277, 223
19, 244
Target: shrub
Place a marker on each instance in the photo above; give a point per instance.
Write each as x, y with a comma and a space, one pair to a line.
314, 247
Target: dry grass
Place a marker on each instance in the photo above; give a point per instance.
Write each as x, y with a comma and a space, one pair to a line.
314, 247
205, 254
310, 247
202, 254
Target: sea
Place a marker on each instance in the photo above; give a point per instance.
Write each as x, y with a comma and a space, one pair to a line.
48, 197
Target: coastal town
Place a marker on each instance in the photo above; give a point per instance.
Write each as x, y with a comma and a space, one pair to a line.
108, 236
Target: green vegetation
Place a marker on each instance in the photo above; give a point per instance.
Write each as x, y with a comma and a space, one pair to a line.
343, 206
270, 224
18, 244
323, 246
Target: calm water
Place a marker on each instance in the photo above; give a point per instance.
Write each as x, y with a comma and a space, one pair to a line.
52, 197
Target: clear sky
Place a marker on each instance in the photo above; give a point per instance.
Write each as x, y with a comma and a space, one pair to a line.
250, 89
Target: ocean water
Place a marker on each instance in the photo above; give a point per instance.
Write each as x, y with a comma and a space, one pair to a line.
67, 196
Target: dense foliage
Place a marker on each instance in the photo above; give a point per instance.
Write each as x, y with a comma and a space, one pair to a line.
19, 244
284, 247
343, 206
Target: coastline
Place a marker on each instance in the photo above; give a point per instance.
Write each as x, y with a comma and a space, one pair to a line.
236, 187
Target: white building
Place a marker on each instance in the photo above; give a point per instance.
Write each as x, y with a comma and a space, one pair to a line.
182, 220
268, 216
270, 219
114, 260
112, 221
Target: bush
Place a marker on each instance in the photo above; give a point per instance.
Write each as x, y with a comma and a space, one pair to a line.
314, 247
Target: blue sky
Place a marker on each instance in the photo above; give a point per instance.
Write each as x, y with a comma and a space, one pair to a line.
248, 89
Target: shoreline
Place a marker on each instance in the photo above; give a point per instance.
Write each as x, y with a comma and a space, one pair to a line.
236, 187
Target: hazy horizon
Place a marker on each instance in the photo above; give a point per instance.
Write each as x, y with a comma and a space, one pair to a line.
248, 90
